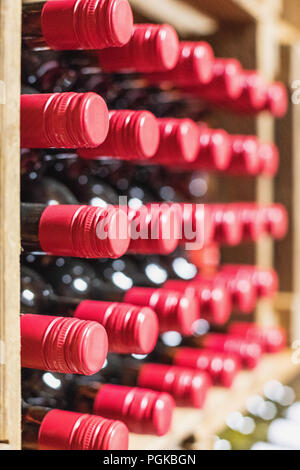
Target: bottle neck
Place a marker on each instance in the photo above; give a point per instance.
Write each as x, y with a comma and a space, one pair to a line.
32, 27
32, 417
30, 221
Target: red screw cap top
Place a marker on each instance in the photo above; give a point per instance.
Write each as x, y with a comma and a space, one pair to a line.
254, 93
143, 411
179, 141
152, 48
249, 352
215, 150
65, 345
155, 229
194, 66
130, 329
277, 101
264, 280
133, 135
245, 157
187, 386
221, 367
276, 220
241, 289
63, 120
269, 159
196, 223
86, 24
272, 339
226, 83
84, 231
175, 311
252, 220
227, 225
64, 430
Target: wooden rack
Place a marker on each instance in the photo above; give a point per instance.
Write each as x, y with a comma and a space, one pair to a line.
255, 32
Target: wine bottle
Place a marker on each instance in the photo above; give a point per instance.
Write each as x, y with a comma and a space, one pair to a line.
51, 429
83, 231
73, 24
63, 120
272, 339
130, 329
65, 345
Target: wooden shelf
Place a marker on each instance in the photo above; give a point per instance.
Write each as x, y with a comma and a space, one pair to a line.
205, 424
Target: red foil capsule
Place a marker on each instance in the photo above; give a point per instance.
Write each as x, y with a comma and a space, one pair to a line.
215, 150
245, 158
63, 120
187, 386
132, 135
265, 281
196, 223
152, 48
269, 159
65, 345
214, 301
276, 220
277, 99
175, 311
221, 367
194, 66
252, 220
84, 231
179, 141
130, 329
155, 229
225, 85
254, 93
144, 411
64, 430
228, 228
272, 339
249, 352
86, 24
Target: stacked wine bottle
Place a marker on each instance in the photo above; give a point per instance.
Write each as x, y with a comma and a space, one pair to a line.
126, 310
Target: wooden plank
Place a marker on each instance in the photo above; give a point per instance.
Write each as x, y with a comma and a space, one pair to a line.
206, 423
10, 42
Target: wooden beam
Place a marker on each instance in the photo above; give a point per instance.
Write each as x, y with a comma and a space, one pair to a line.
10, 395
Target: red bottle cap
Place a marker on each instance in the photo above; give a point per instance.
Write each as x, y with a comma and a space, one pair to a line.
65, 345
84, 231
226, 83
64, 430
130, 329
194, 66
214, 302
264, 280
277, 101
221, 367
86, 24
143, 411
215, 150
175, 311
196, 223
245, 158
187, 386
152, 48
228, 228
155, 229
276, 220
179, 141
254, 93
63, 120
272, 339
242, 291
249, 352
269, 159
133, 135
252, 220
